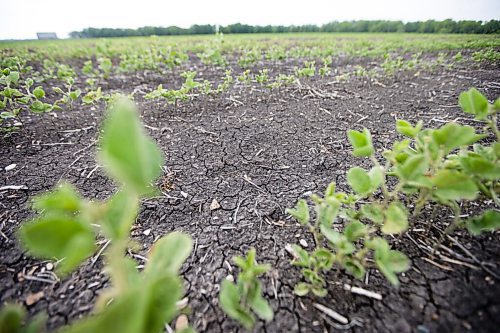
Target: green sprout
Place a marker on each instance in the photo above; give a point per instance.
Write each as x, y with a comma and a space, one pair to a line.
243, 299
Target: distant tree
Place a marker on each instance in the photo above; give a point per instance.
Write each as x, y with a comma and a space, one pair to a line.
430, 26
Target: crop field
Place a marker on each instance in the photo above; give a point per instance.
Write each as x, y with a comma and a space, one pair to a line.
266, 183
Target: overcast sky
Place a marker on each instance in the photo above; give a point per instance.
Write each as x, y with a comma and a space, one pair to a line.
23, 18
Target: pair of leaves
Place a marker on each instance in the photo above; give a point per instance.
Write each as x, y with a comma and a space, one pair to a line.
63, 230
453, 185
250, 269
300, 212
405, 128
396, 219
230, 302
240, 299
365, 183
452, 136
479, 166
345, 248
475, 103
59, 232
327, 210
389, 262
41, 107
342, 245
412, 170
361, 142
59, 236
319, 260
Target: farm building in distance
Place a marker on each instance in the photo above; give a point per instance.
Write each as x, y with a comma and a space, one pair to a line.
46, 35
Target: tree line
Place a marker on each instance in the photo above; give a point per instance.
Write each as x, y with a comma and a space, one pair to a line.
430, 26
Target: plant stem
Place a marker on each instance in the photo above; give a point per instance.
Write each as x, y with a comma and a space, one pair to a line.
494, 127
385, 190
449, 229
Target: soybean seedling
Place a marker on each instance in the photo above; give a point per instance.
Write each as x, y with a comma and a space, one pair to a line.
444, 166
65, 229
243, 299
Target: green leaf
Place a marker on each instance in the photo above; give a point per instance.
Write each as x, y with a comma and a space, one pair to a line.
361, 142
473, 102
260, 306
319, 291
75, 94
405, 128
328, 211
359, 180
496, 104
301, 289
144, 309
13, 77
11, 317
453, 185
390, 262
229, 299
58, 90
480, 166
168, 254
355, 230
300, 212
324, 258
400, 146
413, 168
489, 221
120, 213
373, 212
330, 190
393, 262
39, 92
303, 259
452, 136
355, 268
64, 199
342, 245
396, 219
121, 315
40, 107
496, 149
376, 177
29, 82
130, 156
61, 237
162, 294
331, 235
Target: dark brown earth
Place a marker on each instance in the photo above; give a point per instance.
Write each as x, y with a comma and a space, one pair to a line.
257, 153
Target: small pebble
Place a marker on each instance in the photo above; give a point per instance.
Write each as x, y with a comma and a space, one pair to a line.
423, 329
303, 243
146, 232
33, 298
182, 303
230, 278
10, 167
181, 323
214, 205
